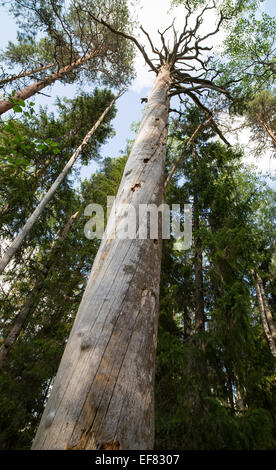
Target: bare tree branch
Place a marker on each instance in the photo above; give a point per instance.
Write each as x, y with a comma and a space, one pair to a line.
126, 36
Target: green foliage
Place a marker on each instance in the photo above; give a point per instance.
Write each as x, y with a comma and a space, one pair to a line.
17, 144
248, 56
215, 389
229, 7
261, 116
26, 380
35, 149
67, 32
28, 53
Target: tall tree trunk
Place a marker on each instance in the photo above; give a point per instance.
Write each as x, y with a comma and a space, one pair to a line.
20, 320
34, 88
12, 78
103, 395
50, 193
266, 316
199, 299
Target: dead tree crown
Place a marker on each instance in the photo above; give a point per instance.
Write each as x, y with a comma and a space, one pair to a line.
190, 71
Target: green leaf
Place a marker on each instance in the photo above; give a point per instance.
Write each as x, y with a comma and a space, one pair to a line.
17, 108
21, 103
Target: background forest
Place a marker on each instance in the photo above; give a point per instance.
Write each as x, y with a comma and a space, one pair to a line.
215, 377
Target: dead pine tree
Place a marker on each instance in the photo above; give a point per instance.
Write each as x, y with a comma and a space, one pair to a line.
103, 394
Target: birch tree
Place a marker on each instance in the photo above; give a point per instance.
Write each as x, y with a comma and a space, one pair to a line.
108, 363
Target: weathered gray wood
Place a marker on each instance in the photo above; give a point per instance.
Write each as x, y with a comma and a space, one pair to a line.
50, 193
103, 395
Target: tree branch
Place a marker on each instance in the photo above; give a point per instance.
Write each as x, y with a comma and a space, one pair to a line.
126, 36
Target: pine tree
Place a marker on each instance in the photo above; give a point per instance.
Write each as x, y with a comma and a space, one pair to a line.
62, 271
79, 47
206, 380
50, 193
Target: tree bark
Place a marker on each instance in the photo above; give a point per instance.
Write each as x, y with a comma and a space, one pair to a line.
199, 299
12, 78
266, 315
103, 395
30, 90
20, 320
50, 193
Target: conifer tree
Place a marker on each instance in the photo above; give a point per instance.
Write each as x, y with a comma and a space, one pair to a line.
79, 48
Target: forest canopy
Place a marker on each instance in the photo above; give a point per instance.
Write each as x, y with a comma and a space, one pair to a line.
121, 342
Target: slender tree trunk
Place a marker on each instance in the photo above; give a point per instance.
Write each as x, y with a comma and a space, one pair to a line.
16, 329
12, 78
50, 193
41, 171
230, 382
5, 209
32, 89
103, 395
267, 129
38, 173
240, 396
266, 316
268, 312
199, 299
14, 332
187, 322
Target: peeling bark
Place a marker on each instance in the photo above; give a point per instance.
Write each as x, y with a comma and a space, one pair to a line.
103, 395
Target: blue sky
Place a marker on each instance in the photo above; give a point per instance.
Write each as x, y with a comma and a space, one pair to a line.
153, 14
